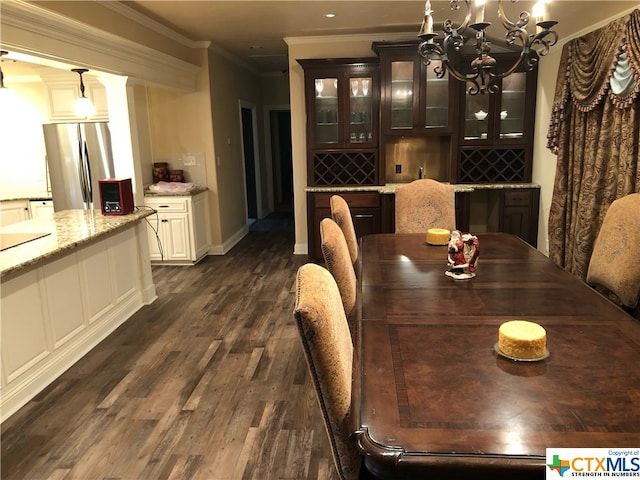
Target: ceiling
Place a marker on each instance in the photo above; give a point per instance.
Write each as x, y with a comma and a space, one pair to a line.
254, 31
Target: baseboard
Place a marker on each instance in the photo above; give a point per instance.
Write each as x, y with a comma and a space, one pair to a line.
230, 243
301, 249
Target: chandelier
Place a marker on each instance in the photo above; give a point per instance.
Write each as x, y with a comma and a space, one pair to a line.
482, 76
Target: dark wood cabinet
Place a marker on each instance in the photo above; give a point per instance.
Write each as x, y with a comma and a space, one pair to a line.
365, 212
390, 120
342, 104
417, 115
413, 99
509, 210
495, 209
519, 213
495, 131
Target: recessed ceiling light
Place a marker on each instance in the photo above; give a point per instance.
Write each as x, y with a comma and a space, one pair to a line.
329, 15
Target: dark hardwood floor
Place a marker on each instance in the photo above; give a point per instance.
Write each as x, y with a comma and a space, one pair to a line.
209, 382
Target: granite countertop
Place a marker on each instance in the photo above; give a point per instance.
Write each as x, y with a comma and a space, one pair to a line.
67, 230
190, 193
32, 196
391, 187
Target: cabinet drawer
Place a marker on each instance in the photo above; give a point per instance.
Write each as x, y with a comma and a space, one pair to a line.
354, 200
168, 204
517, 198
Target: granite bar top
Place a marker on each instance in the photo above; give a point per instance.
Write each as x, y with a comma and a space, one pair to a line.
391, 187
31, 196
67, 230
190, 193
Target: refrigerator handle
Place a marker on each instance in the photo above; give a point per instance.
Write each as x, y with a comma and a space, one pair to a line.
89, 185
83, 170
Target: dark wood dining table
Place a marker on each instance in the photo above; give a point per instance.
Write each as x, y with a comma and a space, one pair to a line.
433, 399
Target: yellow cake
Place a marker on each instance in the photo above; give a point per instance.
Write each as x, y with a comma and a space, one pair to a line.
438, 236
521, 339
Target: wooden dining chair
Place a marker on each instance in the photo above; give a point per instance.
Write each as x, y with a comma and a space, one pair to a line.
338, 262
424, 204
613, 265
341, 214
328, 350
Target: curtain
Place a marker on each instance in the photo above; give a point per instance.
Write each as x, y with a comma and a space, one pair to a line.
595, 132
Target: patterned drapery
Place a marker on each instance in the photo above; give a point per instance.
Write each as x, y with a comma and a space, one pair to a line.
595, 132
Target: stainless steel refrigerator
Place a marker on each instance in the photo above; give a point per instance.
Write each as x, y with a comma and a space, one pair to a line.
78, 155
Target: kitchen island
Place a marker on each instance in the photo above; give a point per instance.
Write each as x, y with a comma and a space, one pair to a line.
62, 293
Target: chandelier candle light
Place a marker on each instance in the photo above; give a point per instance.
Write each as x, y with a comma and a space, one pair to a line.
482, 76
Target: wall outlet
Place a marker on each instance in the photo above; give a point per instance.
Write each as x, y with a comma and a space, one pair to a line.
398, 168
189, 160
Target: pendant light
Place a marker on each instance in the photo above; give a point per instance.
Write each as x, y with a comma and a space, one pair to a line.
2, 52
83, 106
8, 97
3, 88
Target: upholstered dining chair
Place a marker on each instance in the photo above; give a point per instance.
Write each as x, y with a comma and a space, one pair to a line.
329, 353
341, 214
338, 262
424, 204
613, 265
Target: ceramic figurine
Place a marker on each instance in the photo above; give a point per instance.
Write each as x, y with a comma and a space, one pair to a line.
463, 252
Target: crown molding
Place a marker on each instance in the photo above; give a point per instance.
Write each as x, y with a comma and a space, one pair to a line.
151, 24
591, 28
53, 39
373, 37
232, 58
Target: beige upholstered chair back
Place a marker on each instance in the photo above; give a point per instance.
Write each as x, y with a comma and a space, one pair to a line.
424, 204
329, 352
336, 256
613, 264
341, 214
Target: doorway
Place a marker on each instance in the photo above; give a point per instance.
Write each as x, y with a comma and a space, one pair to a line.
278, 171
282, 161
249, 153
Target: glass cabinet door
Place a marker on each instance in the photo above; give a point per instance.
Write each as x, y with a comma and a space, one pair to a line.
437, 97
361, 105
326, 103
512, 106
476, 117
402, 94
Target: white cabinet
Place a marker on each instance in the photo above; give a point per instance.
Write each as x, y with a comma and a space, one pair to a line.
63, 89
41, 209
13, 211
179, 232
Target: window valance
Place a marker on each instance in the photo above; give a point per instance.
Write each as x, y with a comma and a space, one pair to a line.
600, 63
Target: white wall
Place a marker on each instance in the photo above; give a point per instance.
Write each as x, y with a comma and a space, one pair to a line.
22, 152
